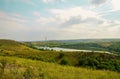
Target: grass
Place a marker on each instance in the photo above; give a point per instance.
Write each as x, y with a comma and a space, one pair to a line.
14, 67
17, 49
19, 68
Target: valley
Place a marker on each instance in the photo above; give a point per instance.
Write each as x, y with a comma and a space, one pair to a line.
28, 59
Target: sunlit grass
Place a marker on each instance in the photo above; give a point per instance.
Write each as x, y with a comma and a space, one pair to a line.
37, 69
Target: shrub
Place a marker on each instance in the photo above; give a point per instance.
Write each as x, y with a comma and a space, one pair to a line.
64, 61
61, 55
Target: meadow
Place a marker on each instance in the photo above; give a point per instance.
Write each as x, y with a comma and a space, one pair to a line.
21, 61
19, 68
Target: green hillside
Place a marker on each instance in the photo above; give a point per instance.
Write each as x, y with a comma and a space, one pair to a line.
79, 59
23, 60
17, 68
11, 46
14, 48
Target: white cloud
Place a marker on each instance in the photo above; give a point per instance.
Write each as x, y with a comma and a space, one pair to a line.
98, 2
111, 5
11, 26
62, 23
115, 4
2, 14
13, 17
68, 13
37, 14
44, 20
48, 1
78, 22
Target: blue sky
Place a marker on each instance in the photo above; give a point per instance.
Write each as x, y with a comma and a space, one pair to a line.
59, 19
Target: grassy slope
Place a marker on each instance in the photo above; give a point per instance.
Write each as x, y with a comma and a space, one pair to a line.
13, 48
18, 68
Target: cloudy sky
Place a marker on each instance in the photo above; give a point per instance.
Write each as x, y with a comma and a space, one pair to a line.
59, 19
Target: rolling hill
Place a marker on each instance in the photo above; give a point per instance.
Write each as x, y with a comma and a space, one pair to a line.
20, 60
17, 68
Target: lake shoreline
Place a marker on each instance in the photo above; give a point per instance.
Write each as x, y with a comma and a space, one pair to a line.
70, 50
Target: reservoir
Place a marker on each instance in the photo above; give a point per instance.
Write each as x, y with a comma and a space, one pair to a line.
69, 50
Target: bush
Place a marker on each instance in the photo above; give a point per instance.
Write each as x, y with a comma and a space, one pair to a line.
61, 55
64, 61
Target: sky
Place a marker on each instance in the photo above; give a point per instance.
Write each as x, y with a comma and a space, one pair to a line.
34, 20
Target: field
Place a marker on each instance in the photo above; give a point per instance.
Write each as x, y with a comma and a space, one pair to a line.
18, 68
23, 61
